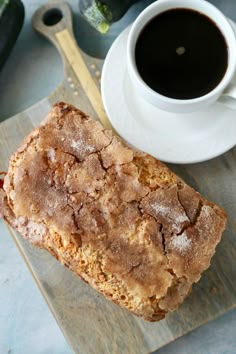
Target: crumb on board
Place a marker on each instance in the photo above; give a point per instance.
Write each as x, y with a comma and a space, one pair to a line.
213, 290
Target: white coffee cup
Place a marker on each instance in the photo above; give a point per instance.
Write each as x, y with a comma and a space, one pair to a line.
225, 91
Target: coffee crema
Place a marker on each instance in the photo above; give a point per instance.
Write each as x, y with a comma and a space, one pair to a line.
181, 54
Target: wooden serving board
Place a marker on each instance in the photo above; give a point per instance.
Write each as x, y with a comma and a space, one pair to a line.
91, 323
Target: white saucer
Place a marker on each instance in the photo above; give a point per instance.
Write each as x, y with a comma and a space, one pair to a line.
185, 138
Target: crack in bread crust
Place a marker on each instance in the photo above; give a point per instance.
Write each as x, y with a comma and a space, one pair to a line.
118, 218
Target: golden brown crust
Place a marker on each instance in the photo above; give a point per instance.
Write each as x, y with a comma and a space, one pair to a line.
120, 219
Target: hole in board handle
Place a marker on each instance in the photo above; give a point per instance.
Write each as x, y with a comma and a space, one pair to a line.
52, 17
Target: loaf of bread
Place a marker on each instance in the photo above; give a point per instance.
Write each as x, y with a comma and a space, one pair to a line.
118, 218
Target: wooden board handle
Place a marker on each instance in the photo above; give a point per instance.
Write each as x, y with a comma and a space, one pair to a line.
54, 21
52, 18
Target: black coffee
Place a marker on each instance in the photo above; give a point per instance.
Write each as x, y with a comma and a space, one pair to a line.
181, 54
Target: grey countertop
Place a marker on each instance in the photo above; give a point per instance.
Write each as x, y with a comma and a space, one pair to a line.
26, 326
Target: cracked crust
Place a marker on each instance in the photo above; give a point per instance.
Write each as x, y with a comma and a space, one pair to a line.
119, 219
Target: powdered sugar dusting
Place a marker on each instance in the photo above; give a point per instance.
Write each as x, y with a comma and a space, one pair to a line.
52, 155
81, 146
169, 212
181, 243
31, 230
206, 211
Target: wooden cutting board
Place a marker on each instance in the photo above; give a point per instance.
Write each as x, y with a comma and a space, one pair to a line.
91, 323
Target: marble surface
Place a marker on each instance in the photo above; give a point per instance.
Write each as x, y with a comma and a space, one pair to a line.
26, 325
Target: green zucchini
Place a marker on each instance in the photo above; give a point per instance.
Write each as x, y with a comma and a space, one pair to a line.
101, 13
11, 20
